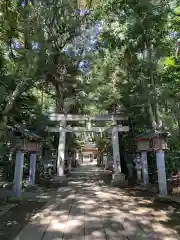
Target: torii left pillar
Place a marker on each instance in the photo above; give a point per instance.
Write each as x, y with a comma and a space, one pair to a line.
118, 176
61, 155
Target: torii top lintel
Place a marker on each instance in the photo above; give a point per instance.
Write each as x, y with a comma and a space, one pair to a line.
75, 117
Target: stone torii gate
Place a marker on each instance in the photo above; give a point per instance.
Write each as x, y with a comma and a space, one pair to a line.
62, 129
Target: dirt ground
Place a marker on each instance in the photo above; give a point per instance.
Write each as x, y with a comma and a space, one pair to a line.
167, 214
16, 218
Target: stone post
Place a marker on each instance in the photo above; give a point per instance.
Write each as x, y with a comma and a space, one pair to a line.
60, 177
77, 155
130, 170
54, 159
54, 165
105, 162
161, 172
32, 168
70, 160
138, 168
144, 167
18, 173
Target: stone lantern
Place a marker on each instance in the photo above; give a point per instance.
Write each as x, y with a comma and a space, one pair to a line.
24, 141
143, 143
153, 141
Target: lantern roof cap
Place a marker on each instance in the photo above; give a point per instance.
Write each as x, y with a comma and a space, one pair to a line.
24, 133
149, 134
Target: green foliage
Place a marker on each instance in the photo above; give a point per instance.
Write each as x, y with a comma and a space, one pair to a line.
34, 71
139, 71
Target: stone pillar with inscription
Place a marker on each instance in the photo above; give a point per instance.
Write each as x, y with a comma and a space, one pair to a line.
32, 168
162, 181
18, 173
144, 163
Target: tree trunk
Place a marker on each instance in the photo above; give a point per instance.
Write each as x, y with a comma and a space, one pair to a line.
178, 120
177, 114
153, 94
151, 115
148, 97
59, 99
12, 150
18, 90
9, 106
3, 125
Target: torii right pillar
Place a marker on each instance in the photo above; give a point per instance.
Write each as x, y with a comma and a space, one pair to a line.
60, 177
118, 177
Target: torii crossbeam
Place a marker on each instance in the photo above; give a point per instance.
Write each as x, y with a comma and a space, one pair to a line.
77, 117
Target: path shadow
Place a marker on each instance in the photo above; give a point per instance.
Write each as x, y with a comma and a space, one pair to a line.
101, 212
